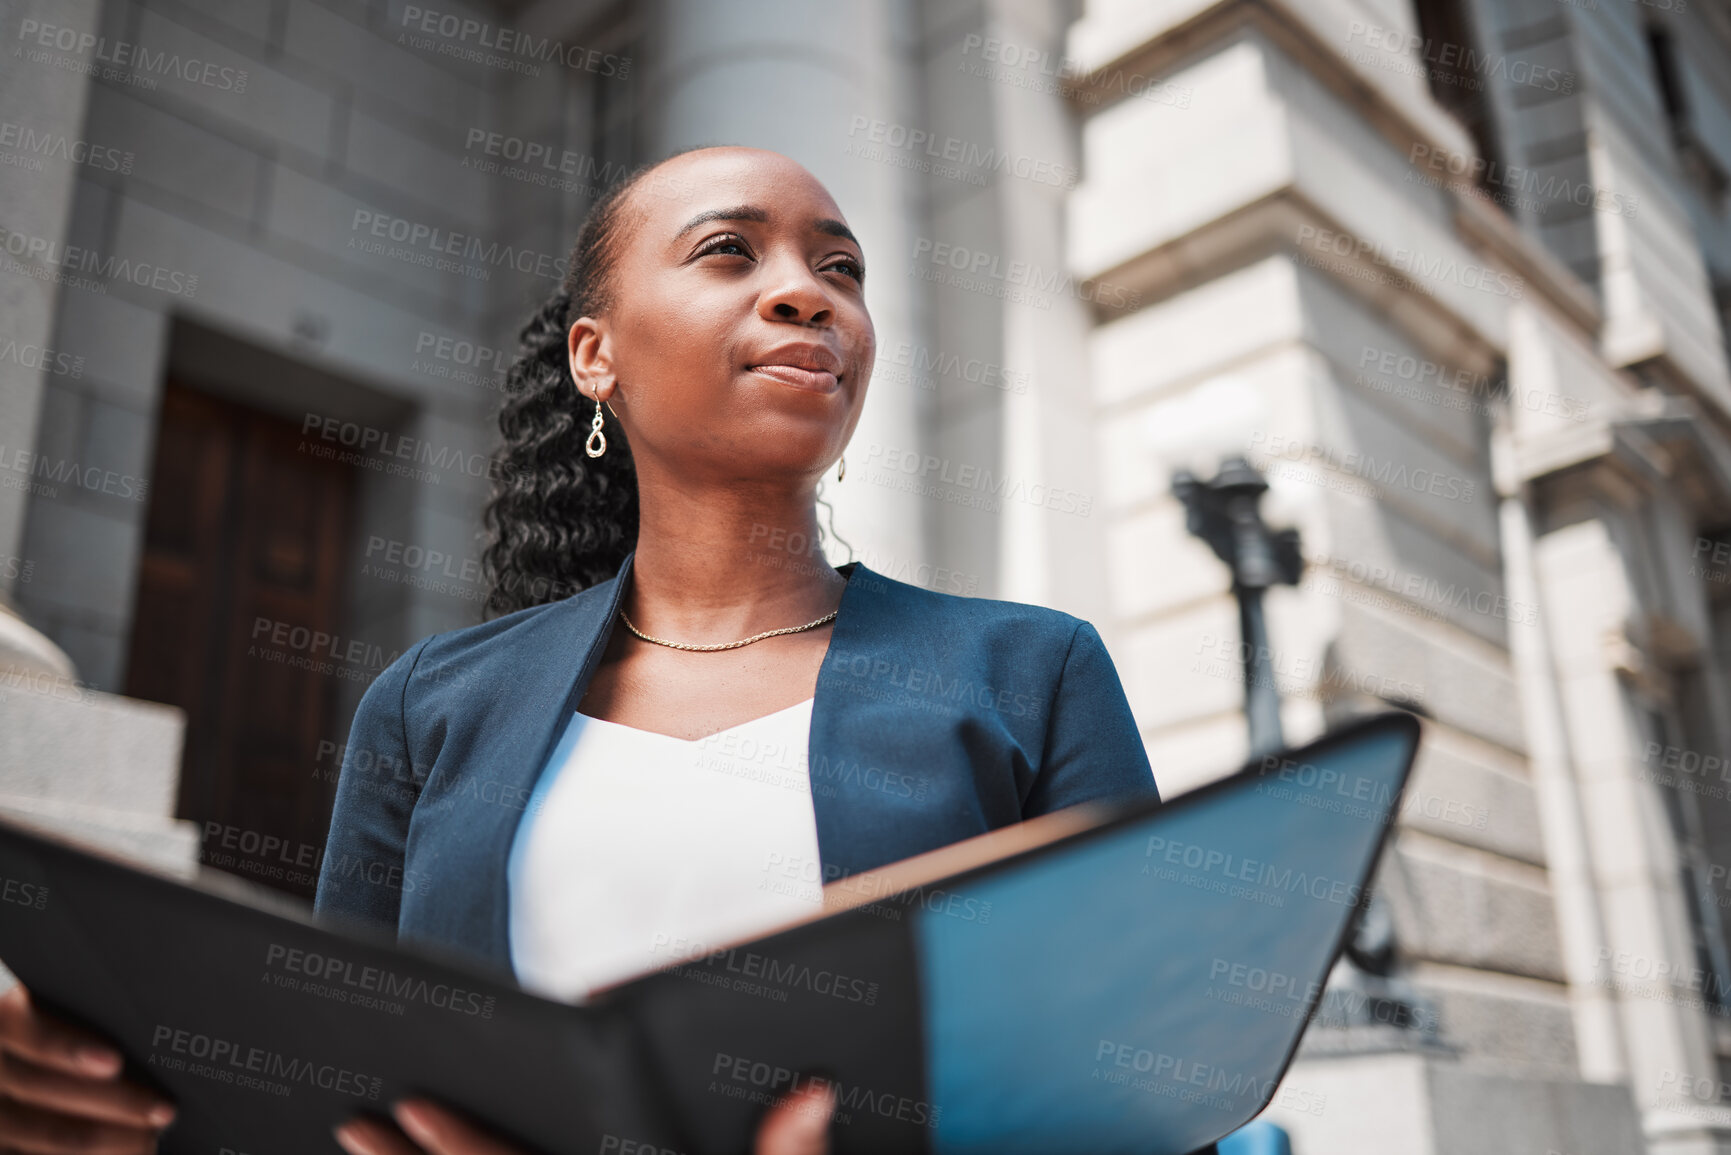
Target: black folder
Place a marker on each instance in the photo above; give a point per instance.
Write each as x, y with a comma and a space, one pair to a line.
1130, 978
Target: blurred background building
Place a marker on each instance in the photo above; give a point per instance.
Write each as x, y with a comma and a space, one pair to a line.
1455, 274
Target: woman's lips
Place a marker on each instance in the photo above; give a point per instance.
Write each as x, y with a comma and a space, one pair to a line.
814, 380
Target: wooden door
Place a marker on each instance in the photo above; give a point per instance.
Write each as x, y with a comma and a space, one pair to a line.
244, 547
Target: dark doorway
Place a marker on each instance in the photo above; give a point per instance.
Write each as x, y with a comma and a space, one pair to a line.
244, 542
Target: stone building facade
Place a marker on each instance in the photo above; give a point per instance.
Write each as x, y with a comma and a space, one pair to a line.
1455, 274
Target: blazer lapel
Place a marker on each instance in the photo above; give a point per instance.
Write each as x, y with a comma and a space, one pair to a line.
467, 845
838, 837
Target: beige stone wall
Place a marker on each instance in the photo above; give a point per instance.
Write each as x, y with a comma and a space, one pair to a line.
1309, 263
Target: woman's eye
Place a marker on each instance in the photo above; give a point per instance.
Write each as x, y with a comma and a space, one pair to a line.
851, 268
723, 245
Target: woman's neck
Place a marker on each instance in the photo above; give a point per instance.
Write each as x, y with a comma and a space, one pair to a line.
730, 562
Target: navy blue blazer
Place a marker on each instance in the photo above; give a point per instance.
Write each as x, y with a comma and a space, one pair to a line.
936, 718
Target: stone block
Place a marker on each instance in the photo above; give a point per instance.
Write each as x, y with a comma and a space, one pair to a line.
118, 439
1458, 908
1135, 197
336, 225
122, 342
96, 647
1476, 1112
57, 432
1359, 1103
1186, 336
1369, 553
1535, 1034
1556, 378
267, 103
65, 744
1390, 233
1186, 756
386, 71
1157, 565
1111, 28
1183, 667
1631, 831
1426, 390
203, 169
1454, 793
1198, 426
86, 557
1359, 451
1419, 1105
252, 17
1457, 680
393, 157
169, 845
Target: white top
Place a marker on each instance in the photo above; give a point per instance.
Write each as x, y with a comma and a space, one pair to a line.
639, 850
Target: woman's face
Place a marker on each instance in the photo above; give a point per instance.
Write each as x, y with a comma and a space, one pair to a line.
737, 341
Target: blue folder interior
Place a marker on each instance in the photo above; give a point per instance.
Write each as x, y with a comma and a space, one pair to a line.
1141, 991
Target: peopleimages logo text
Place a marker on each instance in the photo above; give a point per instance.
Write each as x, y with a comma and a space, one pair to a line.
125, 54
370, 439
929, 469
78, 259
1257, 872
535, 154
91, 478
55, 146
1022, 274
962, 152
376, 980
1421, 269
435, 241
1459, 63
512, 42
226, 1059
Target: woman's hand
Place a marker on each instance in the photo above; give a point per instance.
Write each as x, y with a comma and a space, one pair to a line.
60, 1089
797, 1125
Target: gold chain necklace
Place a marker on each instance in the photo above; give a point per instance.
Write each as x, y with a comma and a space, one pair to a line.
728, 645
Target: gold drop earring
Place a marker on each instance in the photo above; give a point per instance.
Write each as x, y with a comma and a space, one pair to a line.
596, 445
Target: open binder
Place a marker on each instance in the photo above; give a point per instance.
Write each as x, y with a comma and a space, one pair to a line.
1104, 979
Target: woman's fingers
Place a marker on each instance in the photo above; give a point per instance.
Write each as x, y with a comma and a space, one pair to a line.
432, 1128
105, 1100
59, 1090
31, 1129
441, 1132
372, 1137
799, 1124
47, 1042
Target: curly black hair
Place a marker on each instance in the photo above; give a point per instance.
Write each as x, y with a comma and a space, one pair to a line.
560, 521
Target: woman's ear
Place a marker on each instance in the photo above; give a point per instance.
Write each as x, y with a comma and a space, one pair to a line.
589, 347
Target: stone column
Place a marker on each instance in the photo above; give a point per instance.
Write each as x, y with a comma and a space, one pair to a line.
1594, 561
726, 74
47, 102
89, 765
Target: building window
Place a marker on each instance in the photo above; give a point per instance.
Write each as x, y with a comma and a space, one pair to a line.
1699, 167
1663, 51
1453, 64
1722, 309
1697, 822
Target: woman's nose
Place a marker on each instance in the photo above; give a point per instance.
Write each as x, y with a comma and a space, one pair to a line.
798, 295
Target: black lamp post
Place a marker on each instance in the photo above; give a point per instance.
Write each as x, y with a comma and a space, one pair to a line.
1226, 513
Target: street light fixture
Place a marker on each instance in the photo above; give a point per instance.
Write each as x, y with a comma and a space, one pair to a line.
1226, 513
